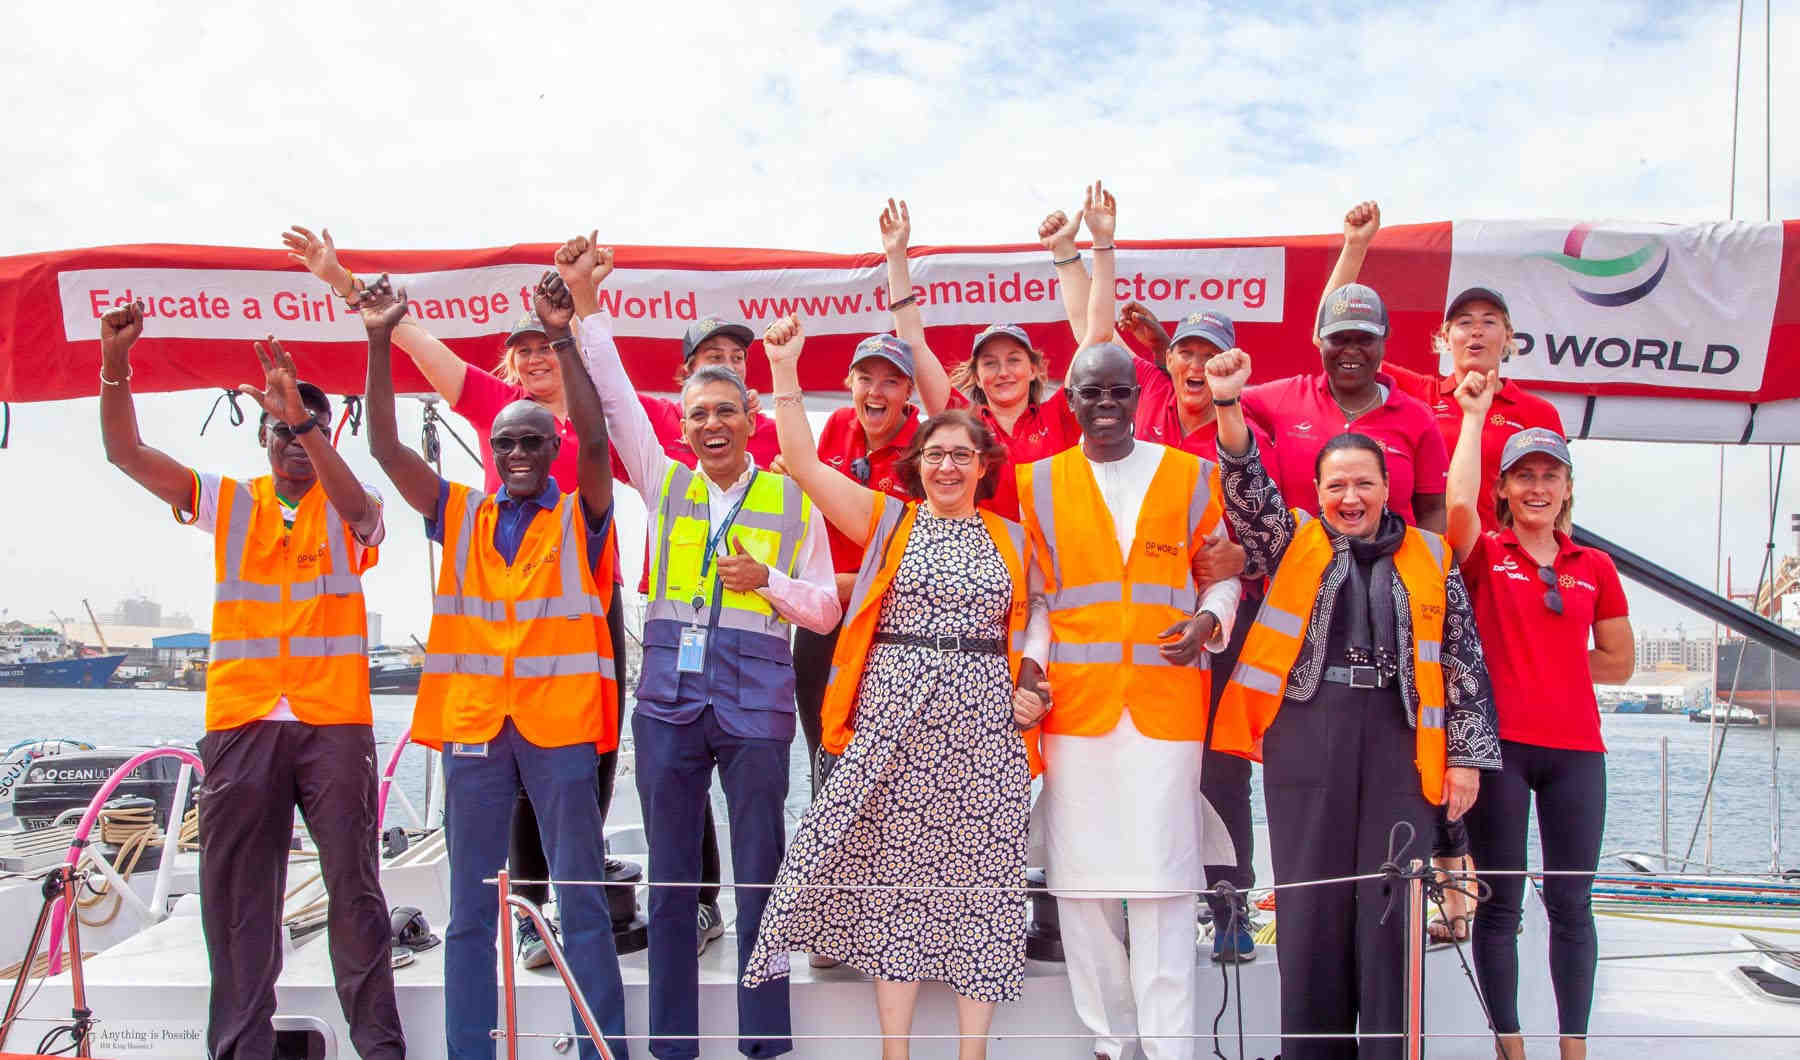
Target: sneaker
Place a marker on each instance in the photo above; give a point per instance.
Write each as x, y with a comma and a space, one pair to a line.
712, 924
532, 951
1233, 947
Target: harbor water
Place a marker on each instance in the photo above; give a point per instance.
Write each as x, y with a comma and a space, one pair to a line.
1741, 807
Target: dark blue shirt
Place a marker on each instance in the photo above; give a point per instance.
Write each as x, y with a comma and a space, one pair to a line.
514, 516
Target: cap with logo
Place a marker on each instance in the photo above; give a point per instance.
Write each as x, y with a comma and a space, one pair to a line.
1534, 440
706, 327
529, 324
1353, 307
995, 331
1476, 294
890, 348
1215, 328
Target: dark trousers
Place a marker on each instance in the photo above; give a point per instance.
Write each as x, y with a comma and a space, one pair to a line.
1337, 774
1225, 778
812, 672
674, 773
481, 788
255, 775
1571, 813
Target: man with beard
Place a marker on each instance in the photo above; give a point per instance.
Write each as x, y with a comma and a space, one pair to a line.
287, 698
1121, 632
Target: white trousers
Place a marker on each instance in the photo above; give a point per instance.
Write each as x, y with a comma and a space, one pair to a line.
1152, 990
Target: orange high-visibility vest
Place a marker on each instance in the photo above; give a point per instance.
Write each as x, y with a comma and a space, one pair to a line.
1105, 613
1272, 647
527, 641
890, 526
288, 616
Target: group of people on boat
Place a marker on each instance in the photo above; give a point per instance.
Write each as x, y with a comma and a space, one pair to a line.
1130, 587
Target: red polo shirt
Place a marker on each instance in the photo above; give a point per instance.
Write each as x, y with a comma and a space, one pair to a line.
1299, 414
1538, 660
1514, 410
1042, 430
840, 444
1159, 421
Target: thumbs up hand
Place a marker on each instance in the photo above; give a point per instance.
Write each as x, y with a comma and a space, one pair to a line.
741, 572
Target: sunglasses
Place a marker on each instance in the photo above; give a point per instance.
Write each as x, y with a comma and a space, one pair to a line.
1553, 596
524, 443
286, 433
860, 470
1118, 392
935, 457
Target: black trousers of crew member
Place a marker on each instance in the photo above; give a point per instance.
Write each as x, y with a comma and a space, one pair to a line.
527, 859
1337, 774
1225, 778
812, 672
255, 775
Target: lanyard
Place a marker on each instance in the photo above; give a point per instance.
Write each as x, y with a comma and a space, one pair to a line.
718, 538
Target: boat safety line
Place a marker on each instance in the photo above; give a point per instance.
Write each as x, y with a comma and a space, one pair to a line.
1088, 1036
1159, 892
1691, 922
1677, 953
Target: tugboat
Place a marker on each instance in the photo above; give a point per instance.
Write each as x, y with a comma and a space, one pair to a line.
393, 672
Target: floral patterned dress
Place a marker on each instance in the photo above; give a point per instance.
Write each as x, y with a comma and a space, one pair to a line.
933, 791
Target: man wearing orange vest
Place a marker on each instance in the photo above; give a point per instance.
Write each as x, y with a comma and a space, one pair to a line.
518, 688
1124, 633
287, 699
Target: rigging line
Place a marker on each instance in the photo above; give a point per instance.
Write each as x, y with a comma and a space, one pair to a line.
1766, 576
1737, 85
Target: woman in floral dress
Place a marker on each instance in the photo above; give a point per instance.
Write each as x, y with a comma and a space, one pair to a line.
910, 864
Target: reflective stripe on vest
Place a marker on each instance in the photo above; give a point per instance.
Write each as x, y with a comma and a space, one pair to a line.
771, 525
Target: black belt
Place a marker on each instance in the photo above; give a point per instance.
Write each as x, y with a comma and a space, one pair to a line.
1357, 676
980, 645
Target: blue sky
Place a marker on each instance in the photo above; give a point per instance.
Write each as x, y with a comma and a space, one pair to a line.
482, 124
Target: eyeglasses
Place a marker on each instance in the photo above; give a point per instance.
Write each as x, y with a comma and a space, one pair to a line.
524, 443
1553, 596
860, 470
960, 457
1118, 392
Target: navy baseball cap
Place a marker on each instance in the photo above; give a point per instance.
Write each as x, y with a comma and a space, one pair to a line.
1215, 328
1534, 440
1353, 307
314, 398
529, 324
706, 327
994, 331
891, 348
1476, 294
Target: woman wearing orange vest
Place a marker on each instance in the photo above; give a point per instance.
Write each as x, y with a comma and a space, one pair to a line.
287, 698
1363, 691
518, 689
933, 789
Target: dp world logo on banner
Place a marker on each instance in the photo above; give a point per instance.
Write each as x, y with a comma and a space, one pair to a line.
1684, 306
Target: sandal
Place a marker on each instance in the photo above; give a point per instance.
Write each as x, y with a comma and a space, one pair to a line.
1449, 929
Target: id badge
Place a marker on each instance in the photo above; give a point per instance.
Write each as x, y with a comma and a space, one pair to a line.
469, 750
690, 658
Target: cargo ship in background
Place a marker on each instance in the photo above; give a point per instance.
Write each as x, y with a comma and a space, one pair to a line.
39, 657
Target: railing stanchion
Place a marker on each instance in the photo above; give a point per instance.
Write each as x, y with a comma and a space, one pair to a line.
1665, 803
1415, 961
511, 1010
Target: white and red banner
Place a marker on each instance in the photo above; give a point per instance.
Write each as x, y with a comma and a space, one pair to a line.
1701, 311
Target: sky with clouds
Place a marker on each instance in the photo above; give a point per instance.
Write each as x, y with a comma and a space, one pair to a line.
465, 125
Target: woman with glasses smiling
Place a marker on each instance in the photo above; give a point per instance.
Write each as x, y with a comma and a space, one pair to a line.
938, 748
1540, 598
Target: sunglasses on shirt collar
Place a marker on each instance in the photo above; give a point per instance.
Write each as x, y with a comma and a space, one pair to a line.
1553, 596
524, 443
860, 470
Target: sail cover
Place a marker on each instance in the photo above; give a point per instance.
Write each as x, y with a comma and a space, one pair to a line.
1636, 331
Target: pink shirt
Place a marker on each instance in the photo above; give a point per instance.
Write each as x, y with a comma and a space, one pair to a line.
1300, 416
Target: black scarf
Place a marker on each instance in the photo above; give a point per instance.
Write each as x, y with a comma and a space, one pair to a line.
1370, 598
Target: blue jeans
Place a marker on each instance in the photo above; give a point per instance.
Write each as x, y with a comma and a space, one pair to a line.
479, 793
674, 773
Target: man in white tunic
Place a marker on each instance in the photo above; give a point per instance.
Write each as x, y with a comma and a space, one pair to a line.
1122, 632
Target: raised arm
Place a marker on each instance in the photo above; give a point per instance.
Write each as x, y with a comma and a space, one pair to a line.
1057, 233
440, 365
161, 474
1463, 495
850, 507
1259, 516
1360, 225
593, 462
381, 311
1101, 213
928, 372
280, 399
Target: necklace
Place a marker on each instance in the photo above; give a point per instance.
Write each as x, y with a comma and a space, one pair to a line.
1348, 415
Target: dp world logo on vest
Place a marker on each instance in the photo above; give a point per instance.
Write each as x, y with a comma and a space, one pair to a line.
1685, 306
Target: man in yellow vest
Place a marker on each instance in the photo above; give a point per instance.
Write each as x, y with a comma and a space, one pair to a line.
1122, 632
738, 557
518, 689
287, 698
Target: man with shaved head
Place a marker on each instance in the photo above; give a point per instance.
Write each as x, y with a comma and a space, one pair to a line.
518, 689
738, 557
1120, 633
